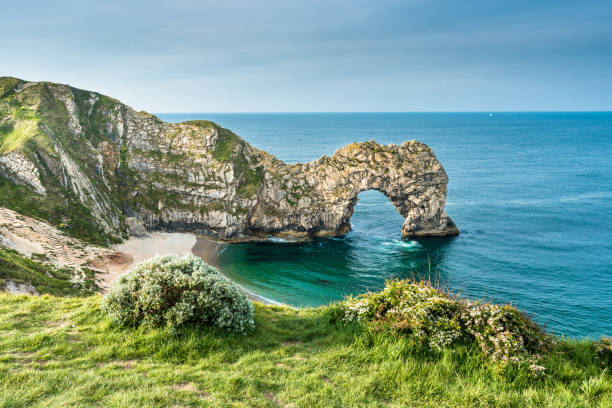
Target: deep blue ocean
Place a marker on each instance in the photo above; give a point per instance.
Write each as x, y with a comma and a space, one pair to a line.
530, 192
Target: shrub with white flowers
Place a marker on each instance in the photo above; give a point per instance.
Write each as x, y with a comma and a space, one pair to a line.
405, 307
439, 320
503, 331
172, 291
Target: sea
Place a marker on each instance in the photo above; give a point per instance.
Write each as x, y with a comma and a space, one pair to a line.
531, 193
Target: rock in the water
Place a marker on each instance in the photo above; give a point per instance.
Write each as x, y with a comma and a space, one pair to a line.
135, 172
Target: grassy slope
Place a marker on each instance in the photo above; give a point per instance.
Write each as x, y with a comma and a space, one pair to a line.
64, 352
59, 208
45, 278
20, 133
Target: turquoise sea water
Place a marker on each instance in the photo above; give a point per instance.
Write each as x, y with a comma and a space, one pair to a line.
530, 192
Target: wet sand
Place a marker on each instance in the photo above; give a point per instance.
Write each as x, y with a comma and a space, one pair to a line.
207, 250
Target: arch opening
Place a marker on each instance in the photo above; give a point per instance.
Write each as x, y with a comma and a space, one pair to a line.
373, 213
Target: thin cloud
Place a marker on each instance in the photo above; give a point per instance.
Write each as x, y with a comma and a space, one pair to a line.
319, 55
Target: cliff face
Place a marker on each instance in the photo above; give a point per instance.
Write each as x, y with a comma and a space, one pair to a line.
125, 171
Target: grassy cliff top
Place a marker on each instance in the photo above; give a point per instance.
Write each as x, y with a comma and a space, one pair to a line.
63, 351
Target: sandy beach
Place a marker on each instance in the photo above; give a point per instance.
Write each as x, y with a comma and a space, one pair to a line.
207, 249
27, 236
137, 249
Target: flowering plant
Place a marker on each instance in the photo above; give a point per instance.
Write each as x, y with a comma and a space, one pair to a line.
173, 291
439, 320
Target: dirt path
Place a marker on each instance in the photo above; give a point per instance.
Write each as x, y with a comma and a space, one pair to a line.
31, 237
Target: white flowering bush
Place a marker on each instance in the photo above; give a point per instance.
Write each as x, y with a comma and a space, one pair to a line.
502, 331
438, 320
172, 291
416, 309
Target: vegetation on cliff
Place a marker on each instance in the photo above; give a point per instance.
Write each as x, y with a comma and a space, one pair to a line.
59, 208
43, 277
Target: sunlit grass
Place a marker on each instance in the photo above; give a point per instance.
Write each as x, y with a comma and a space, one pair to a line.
65, 352
17, 136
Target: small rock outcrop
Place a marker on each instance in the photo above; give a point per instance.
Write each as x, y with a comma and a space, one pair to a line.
18, 288
133, 172
20, 170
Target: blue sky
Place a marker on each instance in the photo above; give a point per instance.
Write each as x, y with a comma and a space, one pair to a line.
276, 56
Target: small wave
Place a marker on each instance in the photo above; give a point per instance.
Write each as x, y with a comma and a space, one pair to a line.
279, 240
591, 196
252, 293
402, 244
262, 298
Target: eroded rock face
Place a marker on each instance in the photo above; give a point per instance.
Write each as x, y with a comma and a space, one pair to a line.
135, 172
19, 169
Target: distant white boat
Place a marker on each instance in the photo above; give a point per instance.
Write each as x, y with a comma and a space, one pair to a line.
490, 115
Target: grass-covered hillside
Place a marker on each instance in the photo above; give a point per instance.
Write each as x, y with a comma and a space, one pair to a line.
66, 352
44, 277
49, 166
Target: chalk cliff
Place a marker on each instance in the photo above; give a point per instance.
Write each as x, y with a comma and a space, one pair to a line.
122, 172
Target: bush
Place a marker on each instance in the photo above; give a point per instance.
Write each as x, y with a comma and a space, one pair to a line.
603, 351
439, 320
174, 291
418, 310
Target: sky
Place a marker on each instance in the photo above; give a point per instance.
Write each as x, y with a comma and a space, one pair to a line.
318, 55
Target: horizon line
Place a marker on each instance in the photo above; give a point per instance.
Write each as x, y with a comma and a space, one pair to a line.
372, 112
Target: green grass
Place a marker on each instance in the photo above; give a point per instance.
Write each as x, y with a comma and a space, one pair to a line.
225, 144
16, 137
45, 278
59, 208
251, 180
65, 352
7, 86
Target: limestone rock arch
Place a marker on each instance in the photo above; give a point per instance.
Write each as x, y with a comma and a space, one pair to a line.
318, 198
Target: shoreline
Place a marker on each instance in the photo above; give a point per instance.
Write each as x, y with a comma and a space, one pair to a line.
137, 249
208, 250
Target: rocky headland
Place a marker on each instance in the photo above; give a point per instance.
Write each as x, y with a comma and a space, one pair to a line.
102, 171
